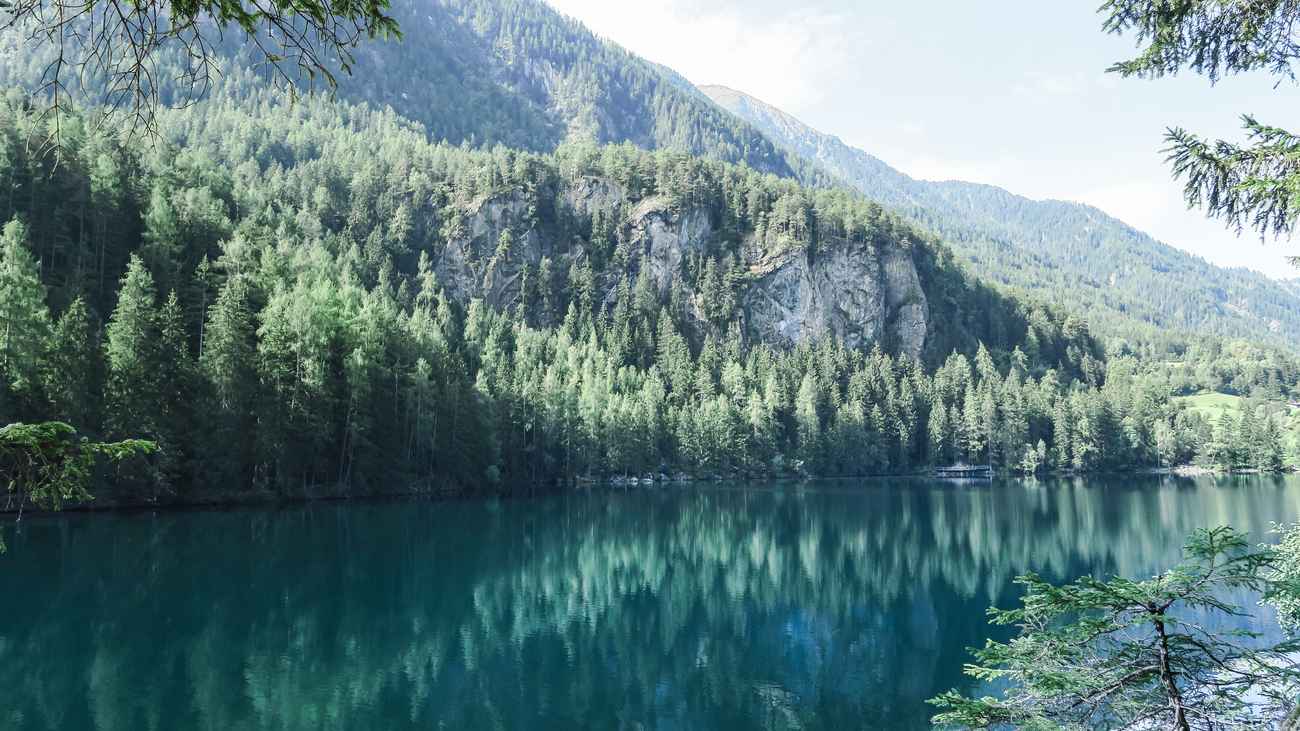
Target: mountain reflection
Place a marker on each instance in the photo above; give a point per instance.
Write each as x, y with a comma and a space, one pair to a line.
838, 605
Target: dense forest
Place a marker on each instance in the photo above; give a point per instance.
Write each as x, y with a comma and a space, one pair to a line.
519, 74
510, 258
491, 72
260, 295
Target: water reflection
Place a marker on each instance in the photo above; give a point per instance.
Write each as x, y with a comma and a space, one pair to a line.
841, 605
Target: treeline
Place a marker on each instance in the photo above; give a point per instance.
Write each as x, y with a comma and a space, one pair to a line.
260, 299
491, 72
517, 73
1212, 364
1134, 289
252, 184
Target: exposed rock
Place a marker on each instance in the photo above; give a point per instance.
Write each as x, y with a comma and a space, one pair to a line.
905, 300
588, 195
663, 240
855, 292
860, 293
471, 265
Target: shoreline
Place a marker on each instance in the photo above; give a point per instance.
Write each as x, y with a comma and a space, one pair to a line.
623, 482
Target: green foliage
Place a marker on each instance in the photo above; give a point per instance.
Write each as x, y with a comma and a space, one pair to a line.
514, 73
117, 51
73, 368
49, 464
1286, 574
132, 355
1135, 653
1248, 186
1209, 37
24, 320
350, 309
1251, 186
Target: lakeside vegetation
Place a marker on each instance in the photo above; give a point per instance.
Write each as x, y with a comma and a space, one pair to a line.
258, 298
256, 290
1145, 653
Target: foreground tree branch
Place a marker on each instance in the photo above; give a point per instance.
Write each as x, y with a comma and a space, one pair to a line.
1127, 654
113, 46
49, 464
1255, 185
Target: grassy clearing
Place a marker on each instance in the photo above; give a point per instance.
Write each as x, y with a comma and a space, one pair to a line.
1212, 405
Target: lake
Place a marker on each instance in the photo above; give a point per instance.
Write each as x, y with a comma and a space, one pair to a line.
832, 605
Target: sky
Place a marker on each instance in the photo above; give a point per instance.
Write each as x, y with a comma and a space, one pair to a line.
1012, 93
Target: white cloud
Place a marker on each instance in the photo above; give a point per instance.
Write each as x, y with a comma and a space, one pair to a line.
772, 55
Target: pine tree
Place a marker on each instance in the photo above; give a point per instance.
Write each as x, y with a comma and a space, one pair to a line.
1118, 654
973, 426
1223, 450
24, 319
163, 241
1248, 186
131, 343
177, 385
937, 431
808, 423
74, 368
1270, 455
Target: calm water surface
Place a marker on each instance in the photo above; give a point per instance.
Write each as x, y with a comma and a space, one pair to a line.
824, 606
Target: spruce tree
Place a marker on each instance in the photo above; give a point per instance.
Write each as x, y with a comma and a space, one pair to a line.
24, 319
74, 368
1124, 653
131, 350
1249, 185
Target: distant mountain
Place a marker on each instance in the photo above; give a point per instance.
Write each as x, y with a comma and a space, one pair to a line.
519, 74
1127, 283
511, 72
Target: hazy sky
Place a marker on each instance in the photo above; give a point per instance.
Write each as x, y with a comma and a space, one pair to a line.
1012, 93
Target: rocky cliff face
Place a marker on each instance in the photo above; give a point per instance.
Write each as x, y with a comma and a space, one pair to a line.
859, 293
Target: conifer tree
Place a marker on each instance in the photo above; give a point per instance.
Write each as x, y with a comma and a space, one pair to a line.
808, 423
74, 368
937, 432
1124, 653
131, 350
24, 319
1248, 185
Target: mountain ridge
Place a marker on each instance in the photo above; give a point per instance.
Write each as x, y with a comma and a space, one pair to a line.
520, 74
1037, 244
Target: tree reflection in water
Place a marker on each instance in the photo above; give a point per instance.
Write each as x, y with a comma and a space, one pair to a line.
838, 605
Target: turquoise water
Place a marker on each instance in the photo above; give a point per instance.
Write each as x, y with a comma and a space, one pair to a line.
822, 606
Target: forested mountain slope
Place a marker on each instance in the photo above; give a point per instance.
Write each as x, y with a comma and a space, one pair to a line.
515, 72
311, 298
487, 72
288, 296
1125, 282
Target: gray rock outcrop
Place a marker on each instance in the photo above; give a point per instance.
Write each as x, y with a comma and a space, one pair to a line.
857, 292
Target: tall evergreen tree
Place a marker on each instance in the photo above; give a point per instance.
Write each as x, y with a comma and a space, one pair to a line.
74, 368
131, 350
24, 319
